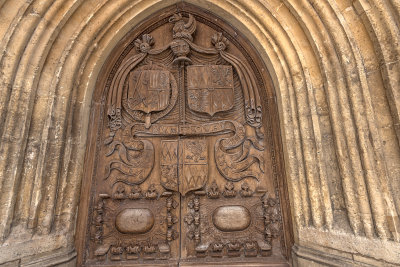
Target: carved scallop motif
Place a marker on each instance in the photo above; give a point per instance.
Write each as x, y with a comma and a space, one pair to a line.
231, 218
134, 221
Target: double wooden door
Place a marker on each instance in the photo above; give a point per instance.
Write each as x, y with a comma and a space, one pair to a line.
185, 164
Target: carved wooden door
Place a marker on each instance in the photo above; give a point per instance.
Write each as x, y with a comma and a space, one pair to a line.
185, 168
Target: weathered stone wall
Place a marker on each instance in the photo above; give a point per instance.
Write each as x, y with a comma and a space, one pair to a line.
336, 71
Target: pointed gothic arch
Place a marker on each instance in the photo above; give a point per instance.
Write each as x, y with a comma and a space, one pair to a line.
252, 100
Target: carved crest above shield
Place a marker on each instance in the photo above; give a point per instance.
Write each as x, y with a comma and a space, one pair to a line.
210, 88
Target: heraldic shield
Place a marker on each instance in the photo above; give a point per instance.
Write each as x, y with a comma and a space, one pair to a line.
210, 88
152, 90
184, 164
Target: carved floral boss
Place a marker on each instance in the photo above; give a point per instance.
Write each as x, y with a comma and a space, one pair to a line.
142, 92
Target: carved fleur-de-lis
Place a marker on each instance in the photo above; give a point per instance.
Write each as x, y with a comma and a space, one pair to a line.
144, 45
219, 41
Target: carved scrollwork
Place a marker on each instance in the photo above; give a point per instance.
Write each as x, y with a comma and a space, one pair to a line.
236, 166
134, 161
213, 190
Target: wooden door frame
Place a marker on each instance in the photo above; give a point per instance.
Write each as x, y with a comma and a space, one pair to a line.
268, 96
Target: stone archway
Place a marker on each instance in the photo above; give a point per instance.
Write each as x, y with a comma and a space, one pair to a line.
334, 65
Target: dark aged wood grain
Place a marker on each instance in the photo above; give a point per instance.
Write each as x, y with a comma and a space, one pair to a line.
184, 163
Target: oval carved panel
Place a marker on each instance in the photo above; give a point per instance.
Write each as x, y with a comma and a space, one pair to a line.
231, 218
134, 221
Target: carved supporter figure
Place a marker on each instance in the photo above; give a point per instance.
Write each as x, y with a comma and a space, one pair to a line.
245, 191
229, 190
171, 234
234, 245
194, 204
171, 220
250, 246
213, 190
217, 247
171, 204
132, 249
120, 192
149, 248
116, 250
271, 218
151, 192
136, 192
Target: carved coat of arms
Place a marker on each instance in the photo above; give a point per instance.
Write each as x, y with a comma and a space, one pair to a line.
152, 90
184, 164
210, 88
